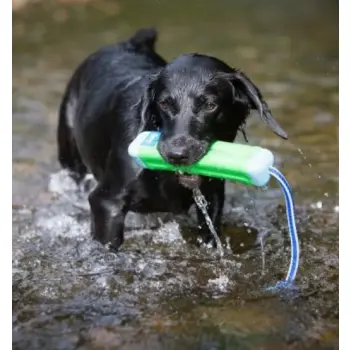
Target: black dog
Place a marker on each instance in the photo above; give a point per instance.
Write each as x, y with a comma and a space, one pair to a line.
124, 89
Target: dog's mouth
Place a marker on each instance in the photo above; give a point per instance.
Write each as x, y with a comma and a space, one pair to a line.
188, 180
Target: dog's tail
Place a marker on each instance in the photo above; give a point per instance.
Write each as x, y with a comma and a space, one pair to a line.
68, 153
144, 38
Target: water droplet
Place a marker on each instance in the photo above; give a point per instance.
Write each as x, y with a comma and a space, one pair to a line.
317, 205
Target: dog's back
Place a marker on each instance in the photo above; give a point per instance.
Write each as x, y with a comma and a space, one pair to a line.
109, 81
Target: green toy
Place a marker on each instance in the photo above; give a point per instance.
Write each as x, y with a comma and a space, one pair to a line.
231, 161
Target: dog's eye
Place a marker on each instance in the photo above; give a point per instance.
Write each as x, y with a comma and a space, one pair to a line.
210, 106
164, 104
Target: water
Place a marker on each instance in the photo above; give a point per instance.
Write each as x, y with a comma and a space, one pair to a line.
161, 291
202, 204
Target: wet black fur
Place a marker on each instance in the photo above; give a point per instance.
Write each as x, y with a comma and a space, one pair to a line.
126, 88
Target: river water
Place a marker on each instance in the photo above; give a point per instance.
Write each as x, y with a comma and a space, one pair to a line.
160, 291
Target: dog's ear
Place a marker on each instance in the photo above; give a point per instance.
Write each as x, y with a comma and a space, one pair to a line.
247, 90
146, 107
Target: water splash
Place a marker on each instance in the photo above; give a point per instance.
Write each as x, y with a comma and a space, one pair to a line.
202, 204
65, 187
305, 158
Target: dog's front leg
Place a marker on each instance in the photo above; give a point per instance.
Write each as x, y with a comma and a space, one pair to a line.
110, 202
108, 211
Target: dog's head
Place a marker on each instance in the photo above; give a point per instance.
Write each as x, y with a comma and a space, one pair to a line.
196, 100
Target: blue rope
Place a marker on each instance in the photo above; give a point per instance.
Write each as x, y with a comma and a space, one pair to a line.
294, 247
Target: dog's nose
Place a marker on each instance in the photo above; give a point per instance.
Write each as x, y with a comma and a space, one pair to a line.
178, 156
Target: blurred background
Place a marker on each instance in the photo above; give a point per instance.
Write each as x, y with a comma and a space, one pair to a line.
71, 294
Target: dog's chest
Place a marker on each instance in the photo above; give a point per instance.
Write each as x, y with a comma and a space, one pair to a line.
161, 192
